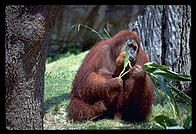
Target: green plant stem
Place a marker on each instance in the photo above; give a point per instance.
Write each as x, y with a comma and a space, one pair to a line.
125, 73
107, 33
78, 25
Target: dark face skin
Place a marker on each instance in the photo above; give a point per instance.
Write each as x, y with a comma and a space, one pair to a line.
133, 48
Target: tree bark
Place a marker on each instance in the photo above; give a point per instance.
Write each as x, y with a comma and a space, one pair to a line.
27, 33
165, 33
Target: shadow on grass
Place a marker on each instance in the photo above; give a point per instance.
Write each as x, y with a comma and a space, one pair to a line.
55, 101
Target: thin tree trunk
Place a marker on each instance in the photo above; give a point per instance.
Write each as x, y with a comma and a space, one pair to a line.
165, 33
27, 31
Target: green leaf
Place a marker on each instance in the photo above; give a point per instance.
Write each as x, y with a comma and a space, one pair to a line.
107, 33
167, 74
170, 95
126, 61
73, 26
164, 87
78, 27
187, 122
181, 94
163, 72
174, 106
158, 95
92, 127
165, 121
150, 67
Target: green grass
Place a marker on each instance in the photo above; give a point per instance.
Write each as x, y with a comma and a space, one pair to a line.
58, 80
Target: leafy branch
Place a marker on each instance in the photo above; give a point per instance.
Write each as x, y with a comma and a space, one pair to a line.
126, 61
158, 72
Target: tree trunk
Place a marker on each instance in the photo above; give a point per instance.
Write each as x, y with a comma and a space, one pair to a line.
165, 33
27, 33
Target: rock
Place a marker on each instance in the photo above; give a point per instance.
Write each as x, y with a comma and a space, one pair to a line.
98, 17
